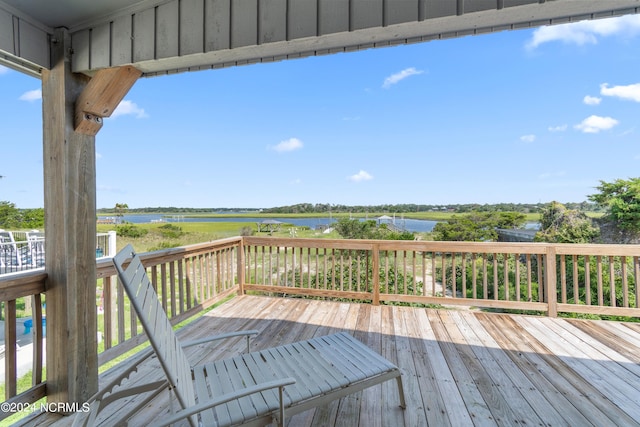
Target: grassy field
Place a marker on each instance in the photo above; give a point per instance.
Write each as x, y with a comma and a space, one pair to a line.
198, 232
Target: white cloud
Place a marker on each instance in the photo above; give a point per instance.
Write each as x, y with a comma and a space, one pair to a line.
559, 128
591, 100
129, 108
32, 95
595, 124
395, 78
528, 138
551, 174
630, 92
360, 176
586, 32
110, 189
290, 144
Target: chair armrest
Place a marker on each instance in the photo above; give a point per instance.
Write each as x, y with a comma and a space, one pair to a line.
281, 383
221, 337
114, 391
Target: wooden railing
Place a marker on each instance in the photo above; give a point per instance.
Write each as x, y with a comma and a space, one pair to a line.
28, 288
188, 280
549, 278
539, 277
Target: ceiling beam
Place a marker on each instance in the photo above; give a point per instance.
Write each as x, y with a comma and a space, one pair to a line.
101, 96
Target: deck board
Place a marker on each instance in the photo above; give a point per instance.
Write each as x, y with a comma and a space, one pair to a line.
459, 367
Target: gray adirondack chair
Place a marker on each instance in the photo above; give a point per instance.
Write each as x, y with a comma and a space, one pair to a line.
254, 388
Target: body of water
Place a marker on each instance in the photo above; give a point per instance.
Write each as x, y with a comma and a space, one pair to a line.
417, 225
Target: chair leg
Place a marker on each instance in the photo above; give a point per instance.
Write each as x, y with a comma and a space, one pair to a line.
281, 396
403, 404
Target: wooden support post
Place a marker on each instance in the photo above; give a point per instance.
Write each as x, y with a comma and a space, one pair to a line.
70, 223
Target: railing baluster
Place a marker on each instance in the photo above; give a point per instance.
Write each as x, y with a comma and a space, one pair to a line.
454, 279
474, 276
463, 268
612, 282
324, 286
107, 310
317, 283
599, 277
541, 281
495, 277
529, 281
181, 284
516, 263
386, 273
625, 284
636, 277
38, 342
10, 350
433, 273
121, 312
587, 280
308, 268
576, 291
424, 273
563, 279
505, 276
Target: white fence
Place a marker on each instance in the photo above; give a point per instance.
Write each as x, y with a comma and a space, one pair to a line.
24, 250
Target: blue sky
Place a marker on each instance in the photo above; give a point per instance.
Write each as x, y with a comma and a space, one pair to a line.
522, 116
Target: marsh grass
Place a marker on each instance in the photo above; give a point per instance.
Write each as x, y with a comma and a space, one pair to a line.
199, 232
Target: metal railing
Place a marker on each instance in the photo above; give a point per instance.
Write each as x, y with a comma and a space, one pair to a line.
25, 250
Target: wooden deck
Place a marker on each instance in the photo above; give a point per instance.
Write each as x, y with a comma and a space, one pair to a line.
460, 368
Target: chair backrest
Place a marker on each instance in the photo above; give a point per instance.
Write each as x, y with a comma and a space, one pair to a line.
6, 236
9, 248
156, 324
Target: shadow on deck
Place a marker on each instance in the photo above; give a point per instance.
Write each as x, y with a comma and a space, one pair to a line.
459, 367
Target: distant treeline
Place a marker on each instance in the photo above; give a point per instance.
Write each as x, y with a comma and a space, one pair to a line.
173, 210
303, 208
408, 208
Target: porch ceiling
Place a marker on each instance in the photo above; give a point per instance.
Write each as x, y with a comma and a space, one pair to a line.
168, 36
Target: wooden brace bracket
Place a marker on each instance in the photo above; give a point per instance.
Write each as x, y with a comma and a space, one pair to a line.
101, 96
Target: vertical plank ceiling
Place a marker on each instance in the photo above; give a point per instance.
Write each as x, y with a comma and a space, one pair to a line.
170, 36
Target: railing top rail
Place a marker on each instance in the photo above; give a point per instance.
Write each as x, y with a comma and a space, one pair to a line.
596, 249
22, 284
447, 246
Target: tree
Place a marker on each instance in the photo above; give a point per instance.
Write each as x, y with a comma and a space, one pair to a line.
622, 200
369, 229
561, 225
9, 215
12, 217
120, 210
477, 226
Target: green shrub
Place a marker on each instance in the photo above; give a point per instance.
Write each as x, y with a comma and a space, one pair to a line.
164, 245
130, 230
247, 231
170, 231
